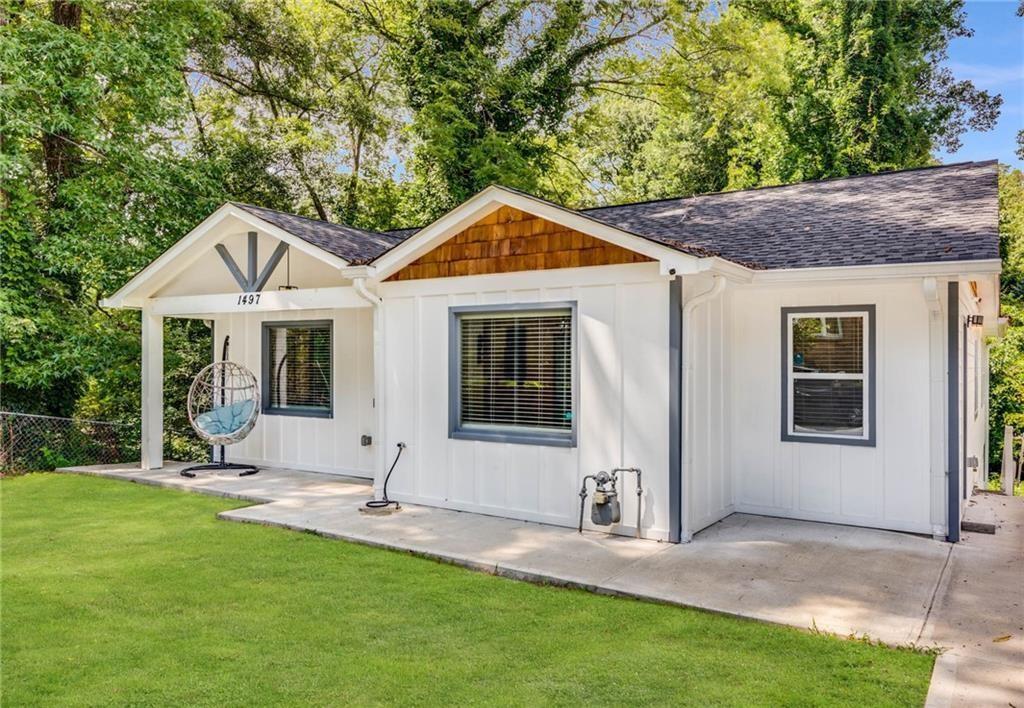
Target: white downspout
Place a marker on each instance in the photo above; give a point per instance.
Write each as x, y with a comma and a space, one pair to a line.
937, 472
718, 285
359, 284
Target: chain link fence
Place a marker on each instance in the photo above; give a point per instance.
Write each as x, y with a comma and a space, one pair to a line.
40, 442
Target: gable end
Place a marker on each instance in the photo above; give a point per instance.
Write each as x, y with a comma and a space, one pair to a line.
509, 240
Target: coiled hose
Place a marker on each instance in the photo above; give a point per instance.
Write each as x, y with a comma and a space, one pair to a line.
385, 502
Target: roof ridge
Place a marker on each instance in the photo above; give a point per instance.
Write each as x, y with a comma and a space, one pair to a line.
965, 163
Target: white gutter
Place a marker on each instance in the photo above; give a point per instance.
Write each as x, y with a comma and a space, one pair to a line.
359, 285
963, 270
718, 285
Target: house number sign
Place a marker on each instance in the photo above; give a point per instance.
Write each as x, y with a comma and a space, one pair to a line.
249, 299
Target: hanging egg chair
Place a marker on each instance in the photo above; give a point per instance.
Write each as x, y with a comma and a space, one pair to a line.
223, 405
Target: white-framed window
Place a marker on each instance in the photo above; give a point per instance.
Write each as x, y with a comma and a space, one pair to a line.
828, 374
296, 368
512, 373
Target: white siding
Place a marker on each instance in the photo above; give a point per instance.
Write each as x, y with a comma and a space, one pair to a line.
708, 484
622, 416
886, 486
318, 444
976, 426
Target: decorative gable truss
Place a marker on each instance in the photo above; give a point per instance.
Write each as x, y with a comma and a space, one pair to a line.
253, 282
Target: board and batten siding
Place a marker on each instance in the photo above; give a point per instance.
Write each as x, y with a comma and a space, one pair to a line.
316, 444
972, 345
707, 481
623, 398
889, 485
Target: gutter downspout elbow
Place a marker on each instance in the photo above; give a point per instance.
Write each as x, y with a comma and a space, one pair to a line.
714, 291
718, 285
359, 283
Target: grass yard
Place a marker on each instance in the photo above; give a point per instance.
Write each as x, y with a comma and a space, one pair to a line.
120, 593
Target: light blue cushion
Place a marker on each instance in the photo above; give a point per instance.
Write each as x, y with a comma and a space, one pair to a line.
240, 410
224, 420
208, 423
224, 417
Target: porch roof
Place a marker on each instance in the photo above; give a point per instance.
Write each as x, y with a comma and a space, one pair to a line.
347, 242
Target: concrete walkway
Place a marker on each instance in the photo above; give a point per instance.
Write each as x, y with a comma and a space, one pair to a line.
978, 614
896, 588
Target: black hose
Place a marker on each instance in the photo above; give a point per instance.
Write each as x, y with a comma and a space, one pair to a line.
385, 502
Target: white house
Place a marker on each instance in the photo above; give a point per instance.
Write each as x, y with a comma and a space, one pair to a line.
814, 351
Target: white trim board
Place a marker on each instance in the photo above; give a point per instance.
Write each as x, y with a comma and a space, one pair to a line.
937, 269
340, 297
625, 273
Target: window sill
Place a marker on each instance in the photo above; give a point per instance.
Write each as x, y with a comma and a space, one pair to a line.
828, 440
297, 413
515, 437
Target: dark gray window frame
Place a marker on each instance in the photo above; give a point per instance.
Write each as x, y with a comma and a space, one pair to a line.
508, 435
786, 369
954, 462
265, 372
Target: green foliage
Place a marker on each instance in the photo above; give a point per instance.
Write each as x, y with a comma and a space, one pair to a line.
144, 596
122, 125
300, 91
490, 86
1006, 357
757, 92
995, 484
92, 187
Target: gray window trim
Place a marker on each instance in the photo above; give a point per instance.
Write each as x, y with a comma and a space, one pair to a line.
953, 442
871, 407
510, 434
675, 408
265, 372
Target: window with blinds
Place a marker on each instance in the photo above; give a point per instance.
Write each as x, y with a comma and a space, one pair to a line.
514, 375
297, 368
828, 375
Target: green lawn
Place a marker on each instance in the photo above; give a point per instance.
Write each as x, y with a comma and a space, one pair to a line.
120, 593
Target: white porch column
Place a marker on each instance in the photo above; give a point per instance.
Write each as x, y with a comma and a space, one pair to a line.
152, 389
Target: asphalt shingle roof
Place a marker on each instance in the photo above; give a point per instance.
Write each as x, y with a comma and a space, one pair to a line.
944, 213
356, 246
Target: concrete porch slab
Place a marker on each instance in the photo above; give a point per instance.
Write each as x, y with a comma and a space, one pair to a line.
839, 579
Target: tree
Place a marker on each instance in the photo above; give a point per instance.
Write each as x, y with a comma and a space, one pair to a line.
870, 92
490, 84
91, 188
307, 89
1006, 367
756, 92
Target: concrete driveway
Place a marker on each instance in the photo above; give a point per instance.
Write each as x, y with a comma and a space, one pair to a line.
897, 588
